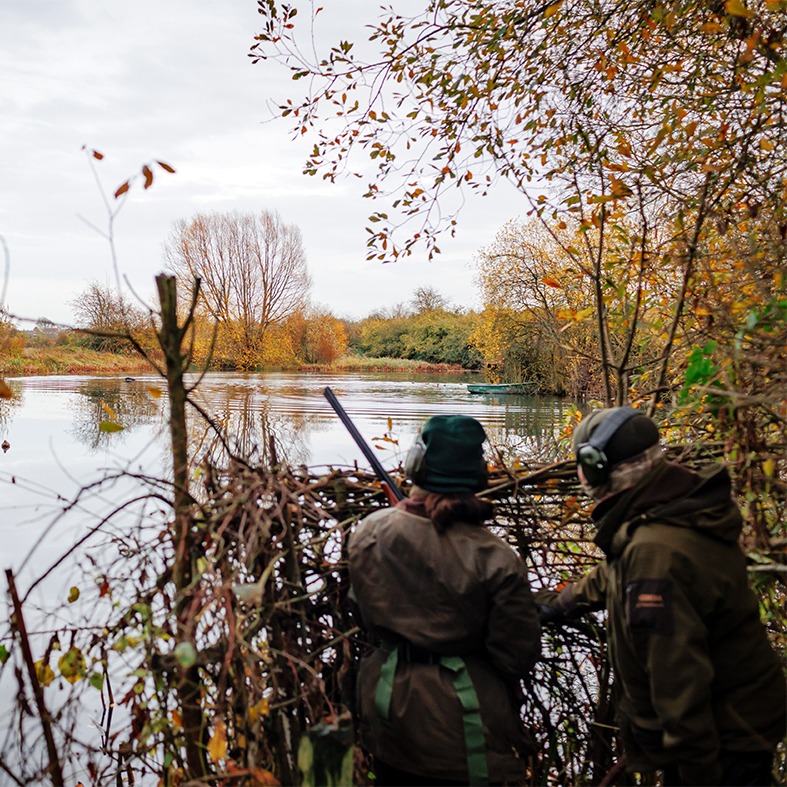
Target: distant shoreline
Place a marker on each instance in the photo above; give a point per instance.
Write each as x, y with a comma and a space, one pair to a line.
38, 362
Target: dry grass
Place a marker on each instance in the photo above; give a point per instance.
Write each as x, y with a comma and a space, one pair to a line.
69, 360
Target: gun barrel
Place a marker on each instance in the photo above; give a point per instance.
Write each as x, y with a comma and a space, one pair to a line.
379, 470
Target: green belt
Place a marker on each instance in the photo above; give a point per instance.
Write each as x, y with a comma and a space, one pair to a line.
477, 770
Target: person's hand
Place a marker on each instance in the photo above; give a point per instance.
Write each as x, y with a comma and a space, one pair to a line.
547, 612
548, 605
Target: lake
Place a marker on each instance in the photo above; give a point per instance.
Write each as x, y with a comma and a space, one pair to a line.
56, 446
63, 478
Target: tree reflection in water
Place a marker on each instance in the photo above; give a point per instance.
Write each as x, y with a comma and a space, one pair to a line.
132, 403
254, 427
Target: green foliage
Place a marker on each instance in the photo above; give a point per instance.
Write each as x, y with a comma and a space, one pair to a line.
432, 336
701, 370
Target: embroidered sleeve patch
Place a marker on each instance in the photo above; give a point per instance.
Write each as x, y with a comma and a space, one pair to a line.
649, 605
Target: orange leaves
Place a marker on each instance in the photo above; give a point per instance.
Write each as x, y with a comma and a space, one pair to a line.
217, 745
711, 27
551, 10
146, 172
111, 424
619, 188
624, 148
575, 316
255, 777
737, 8
552, 282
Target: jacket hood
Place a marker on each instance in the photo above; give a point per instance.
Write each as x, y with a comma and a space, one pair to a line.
671, 495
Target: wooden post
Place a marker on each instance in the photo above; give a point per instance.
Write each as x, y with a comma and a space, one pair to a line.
185, 539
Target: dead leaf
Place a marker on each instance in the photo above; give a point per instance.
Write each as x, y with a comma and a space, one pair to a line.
217, 745
110, 426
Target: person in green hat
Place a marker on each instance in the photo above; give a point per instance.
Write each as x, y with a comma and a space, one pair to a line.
449, 609
702, 693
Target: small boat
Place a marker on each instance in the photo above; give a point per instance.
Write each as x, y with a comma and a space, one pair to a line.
501, 388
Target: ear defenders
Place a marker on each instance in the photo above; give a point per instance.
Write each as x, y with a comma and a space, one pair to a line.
415, 461
591, 456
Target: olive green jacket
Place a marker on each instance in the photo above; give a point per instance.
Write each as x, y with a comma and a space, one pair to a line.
463, 592
694, 662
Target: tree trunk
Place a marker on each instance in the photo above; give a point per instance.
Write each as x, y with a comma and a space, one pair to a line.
186, 540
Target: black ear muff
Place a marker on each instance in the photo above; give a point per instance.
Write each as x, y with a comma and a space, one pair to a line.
415, 461
483, 475
590, 455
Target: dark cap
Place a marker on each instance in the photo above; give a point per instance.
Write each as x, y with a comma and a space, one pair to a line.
453, 458
634, 436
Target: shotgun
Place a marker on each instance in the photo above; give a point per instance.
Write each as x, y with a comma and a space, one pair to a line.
392, 491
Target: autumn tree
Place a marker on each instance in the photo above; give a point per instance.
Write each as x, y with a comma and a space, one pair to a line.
428, 299
325, 337
664, 116
253, 272
541, 281
107, 317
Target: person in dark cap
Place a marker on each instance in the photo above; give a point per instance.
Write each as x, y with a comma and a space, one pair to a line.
449, 609
702, 693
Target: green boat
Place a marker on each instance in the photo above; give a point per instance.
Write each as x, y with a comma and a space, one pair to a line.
501, 388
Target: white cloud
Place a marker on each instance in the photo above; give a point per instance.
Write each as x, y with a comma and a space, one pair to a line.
171, 80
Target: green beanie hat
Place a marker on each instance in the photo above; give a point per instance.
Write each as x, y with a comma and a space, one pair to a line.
447, 457
631, 438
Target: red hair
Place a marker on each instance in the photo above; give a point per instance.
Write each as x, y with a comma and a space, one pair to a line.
444, 510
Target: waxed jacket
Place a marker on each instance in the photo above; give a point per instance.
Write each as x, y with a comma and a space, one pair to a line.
693, 660
460, 593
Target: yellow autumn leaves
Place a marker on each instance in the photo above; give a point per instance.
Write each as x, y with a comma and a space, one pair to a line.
71, 665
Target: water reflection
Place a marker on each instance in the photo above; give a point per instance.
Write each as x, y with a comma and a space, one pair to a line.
253, 422
282, 416
8, 407
129, 403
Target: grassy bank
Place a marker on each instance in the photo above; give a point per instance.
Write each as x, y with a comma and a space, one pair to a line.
74, 360
69, 360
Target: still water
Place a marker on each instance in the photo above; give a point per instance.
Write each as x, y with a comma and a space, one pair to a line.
56, 447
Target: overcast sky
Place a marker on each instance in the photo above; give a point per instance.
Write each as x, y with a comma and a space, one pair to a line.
140, 80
